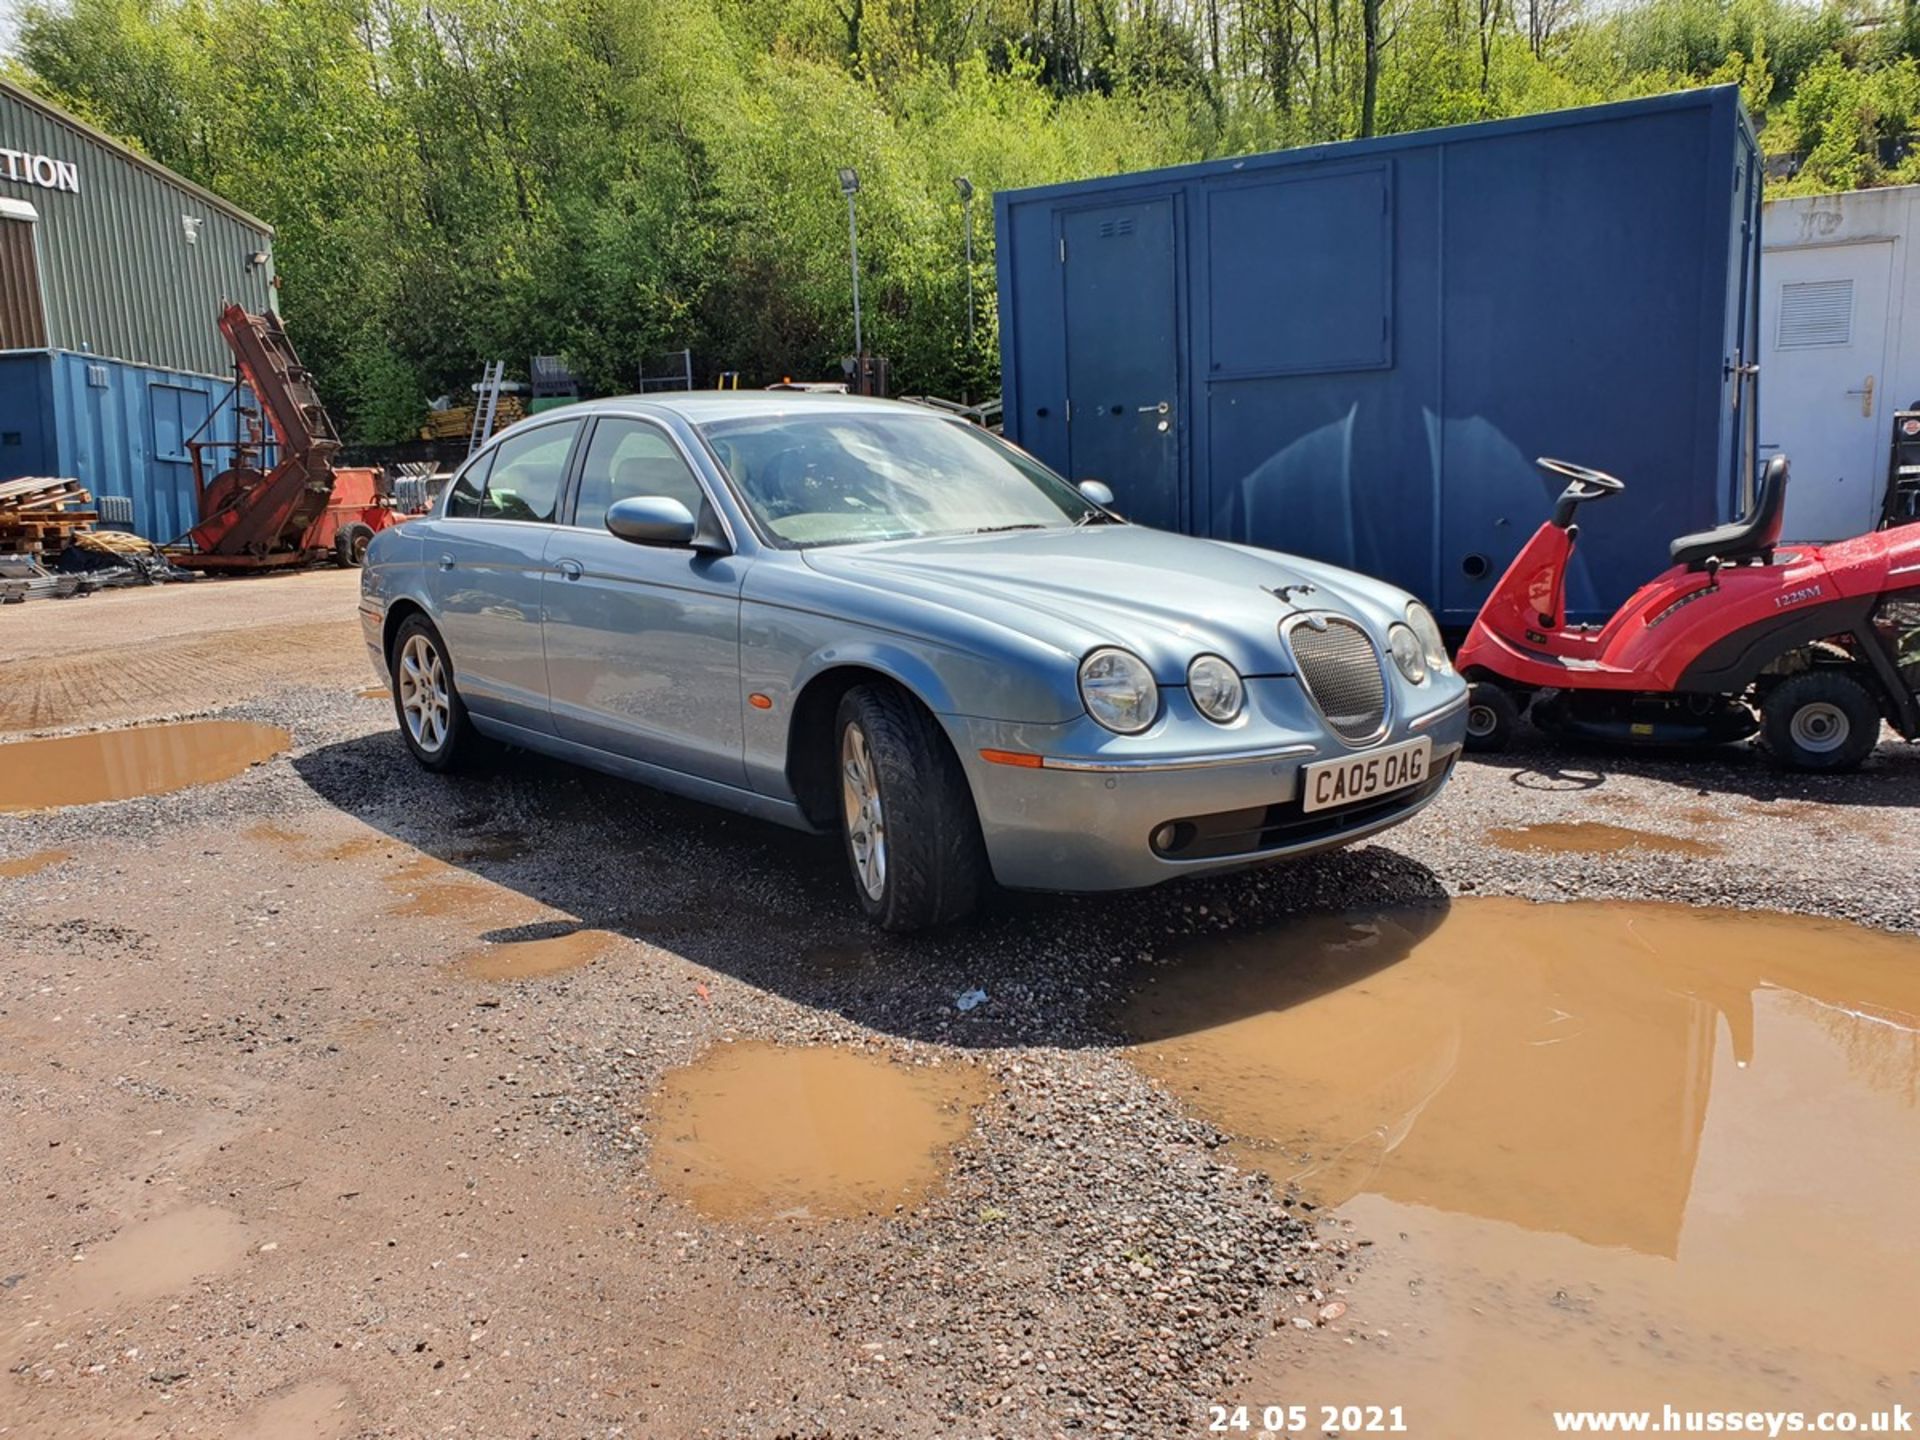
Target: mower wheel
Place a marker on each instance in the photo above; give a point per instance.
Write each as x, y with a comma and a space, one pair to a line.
350, 545
1492, 717
1821, 719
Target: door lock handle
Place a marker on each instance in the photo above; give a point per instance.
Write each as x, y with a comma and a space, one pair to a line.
1160, 409
572, 569
446, 562
1865, 392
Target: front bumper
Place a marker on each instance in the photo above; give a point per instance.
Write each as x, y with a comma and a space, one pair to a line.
1084, 821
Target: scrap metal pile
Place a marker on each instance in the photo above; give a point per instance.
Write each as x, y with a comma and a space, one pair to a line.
49, 548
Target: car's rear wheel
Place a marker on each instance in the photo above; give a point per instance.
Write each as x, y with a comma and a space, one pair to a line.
433, 720
1822, 719
911, 834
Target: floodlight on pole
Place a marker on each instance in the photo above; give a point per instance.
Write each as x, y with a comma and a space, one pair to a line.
849, 187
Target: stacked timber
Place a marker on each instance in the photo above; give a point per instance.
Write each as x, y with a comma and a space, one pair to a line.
40, 516
456, 422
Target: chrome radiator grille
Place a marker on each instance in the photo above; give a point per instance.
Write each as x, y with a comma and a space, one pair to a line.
1341, 669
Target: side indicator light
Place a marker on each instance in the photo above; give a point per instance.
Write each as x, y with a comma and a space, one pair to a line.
759, 701
1011, 757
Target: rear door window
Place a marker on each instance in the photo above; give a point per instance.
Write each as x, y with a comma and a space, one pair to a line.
528, 468
627, 458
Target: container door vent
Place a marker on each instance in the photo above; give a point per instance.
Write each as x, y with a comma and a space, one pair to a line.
115, 509
1815, 313
1111, 228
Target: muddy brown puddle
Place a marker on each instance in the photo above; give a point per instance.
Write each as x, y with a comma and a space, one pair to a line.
33, 864
534, 957
756, 1132
1596, 838
1607, 1154
120, 764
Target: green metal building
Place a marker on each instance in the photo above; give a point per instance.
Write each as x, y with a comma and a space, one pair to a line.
113, 272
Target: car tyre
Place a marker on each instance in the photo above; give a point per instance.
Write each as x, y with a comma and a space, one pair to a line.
433, 720
1822, 719
1493, 715
908, 825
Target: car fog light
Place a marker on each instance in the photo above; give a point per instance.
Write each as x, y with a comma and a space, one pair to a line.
1216, 688
1408, 653
1164, 837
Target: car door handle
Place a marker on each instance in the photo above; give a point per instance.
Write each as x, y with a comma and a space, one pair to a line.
446, 562
572, 569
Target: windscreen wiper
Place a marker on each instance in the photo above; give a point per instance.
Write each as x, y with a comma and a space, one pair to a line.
1003, 529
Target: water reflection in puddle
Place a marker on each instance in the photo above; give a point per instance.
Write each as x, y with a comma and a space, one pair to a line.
120, 764
1596, 838
1610, 1155
760, 1132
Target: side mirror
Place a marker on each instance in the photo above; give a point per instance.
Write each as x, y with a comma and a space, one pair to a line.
651, 520
1097, 493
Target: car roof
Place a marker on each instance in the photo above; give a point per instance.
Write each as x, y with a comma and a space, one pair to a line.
701, 407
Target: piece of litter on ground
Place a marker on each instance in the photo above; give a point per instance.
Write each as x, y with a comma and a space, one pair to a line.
970, 999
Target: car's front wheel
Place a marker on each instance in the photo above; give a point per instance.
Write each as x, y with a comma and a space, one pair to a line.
433, 721
911, 834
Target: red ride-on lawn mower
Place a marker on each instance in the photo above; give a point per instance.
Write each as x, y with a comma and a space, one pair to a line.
1809, 645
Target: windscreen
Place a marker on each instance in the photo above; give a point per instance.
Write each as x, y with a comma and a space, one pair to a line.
846, 477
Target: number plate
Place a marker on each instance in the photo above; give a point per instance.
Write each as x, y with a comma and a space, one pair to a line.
1328, 783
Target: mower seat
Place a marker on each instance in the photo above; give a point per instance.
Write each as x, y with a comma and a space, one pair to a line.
1753, 537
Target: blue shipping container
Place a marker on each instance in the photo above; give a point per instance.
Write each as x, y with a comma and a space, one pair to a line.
119, 429
1355, 351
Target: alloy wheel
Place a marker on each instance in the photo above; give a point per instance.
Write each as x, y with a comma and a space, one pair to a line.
866, 822
426, 704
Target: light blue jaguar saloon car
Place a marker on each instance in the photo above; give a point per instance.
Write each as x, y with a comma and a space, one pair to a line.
869, 617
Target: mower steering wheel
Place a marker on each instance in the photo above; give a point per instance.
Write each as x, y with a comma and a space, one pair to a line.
1591, 484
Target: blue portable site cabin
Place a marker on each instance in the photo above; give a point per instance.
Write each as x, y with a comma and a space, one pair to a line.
113, 274
1355, 351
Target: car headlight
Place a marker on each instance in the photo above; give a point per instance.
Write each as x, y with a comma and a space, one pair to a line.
1216, 688
1431, 643
1118, 690
1408, 653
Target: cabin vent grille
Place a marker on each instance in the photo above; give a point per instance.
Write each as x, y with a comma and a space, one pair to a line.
1815, 313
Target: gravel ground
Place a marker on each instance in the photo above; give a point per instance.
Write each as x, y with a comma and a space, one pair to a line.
233, 997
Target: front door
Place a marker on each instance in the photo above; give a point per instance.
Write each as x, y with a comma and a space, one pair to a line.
643, 641
1823, 395
1122, 323
487, 553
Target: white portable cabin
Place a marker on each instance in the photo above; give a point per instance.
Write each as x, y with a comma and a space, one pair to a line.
1839, 349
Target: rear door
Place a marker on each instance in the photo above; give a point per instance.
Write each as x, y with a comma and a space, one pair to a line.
1123, 371
1824, 342
643, 641
486, 556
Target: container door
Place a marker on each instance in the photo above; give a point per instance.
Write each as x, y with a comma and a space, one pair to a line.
1824, 336
1123, 369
